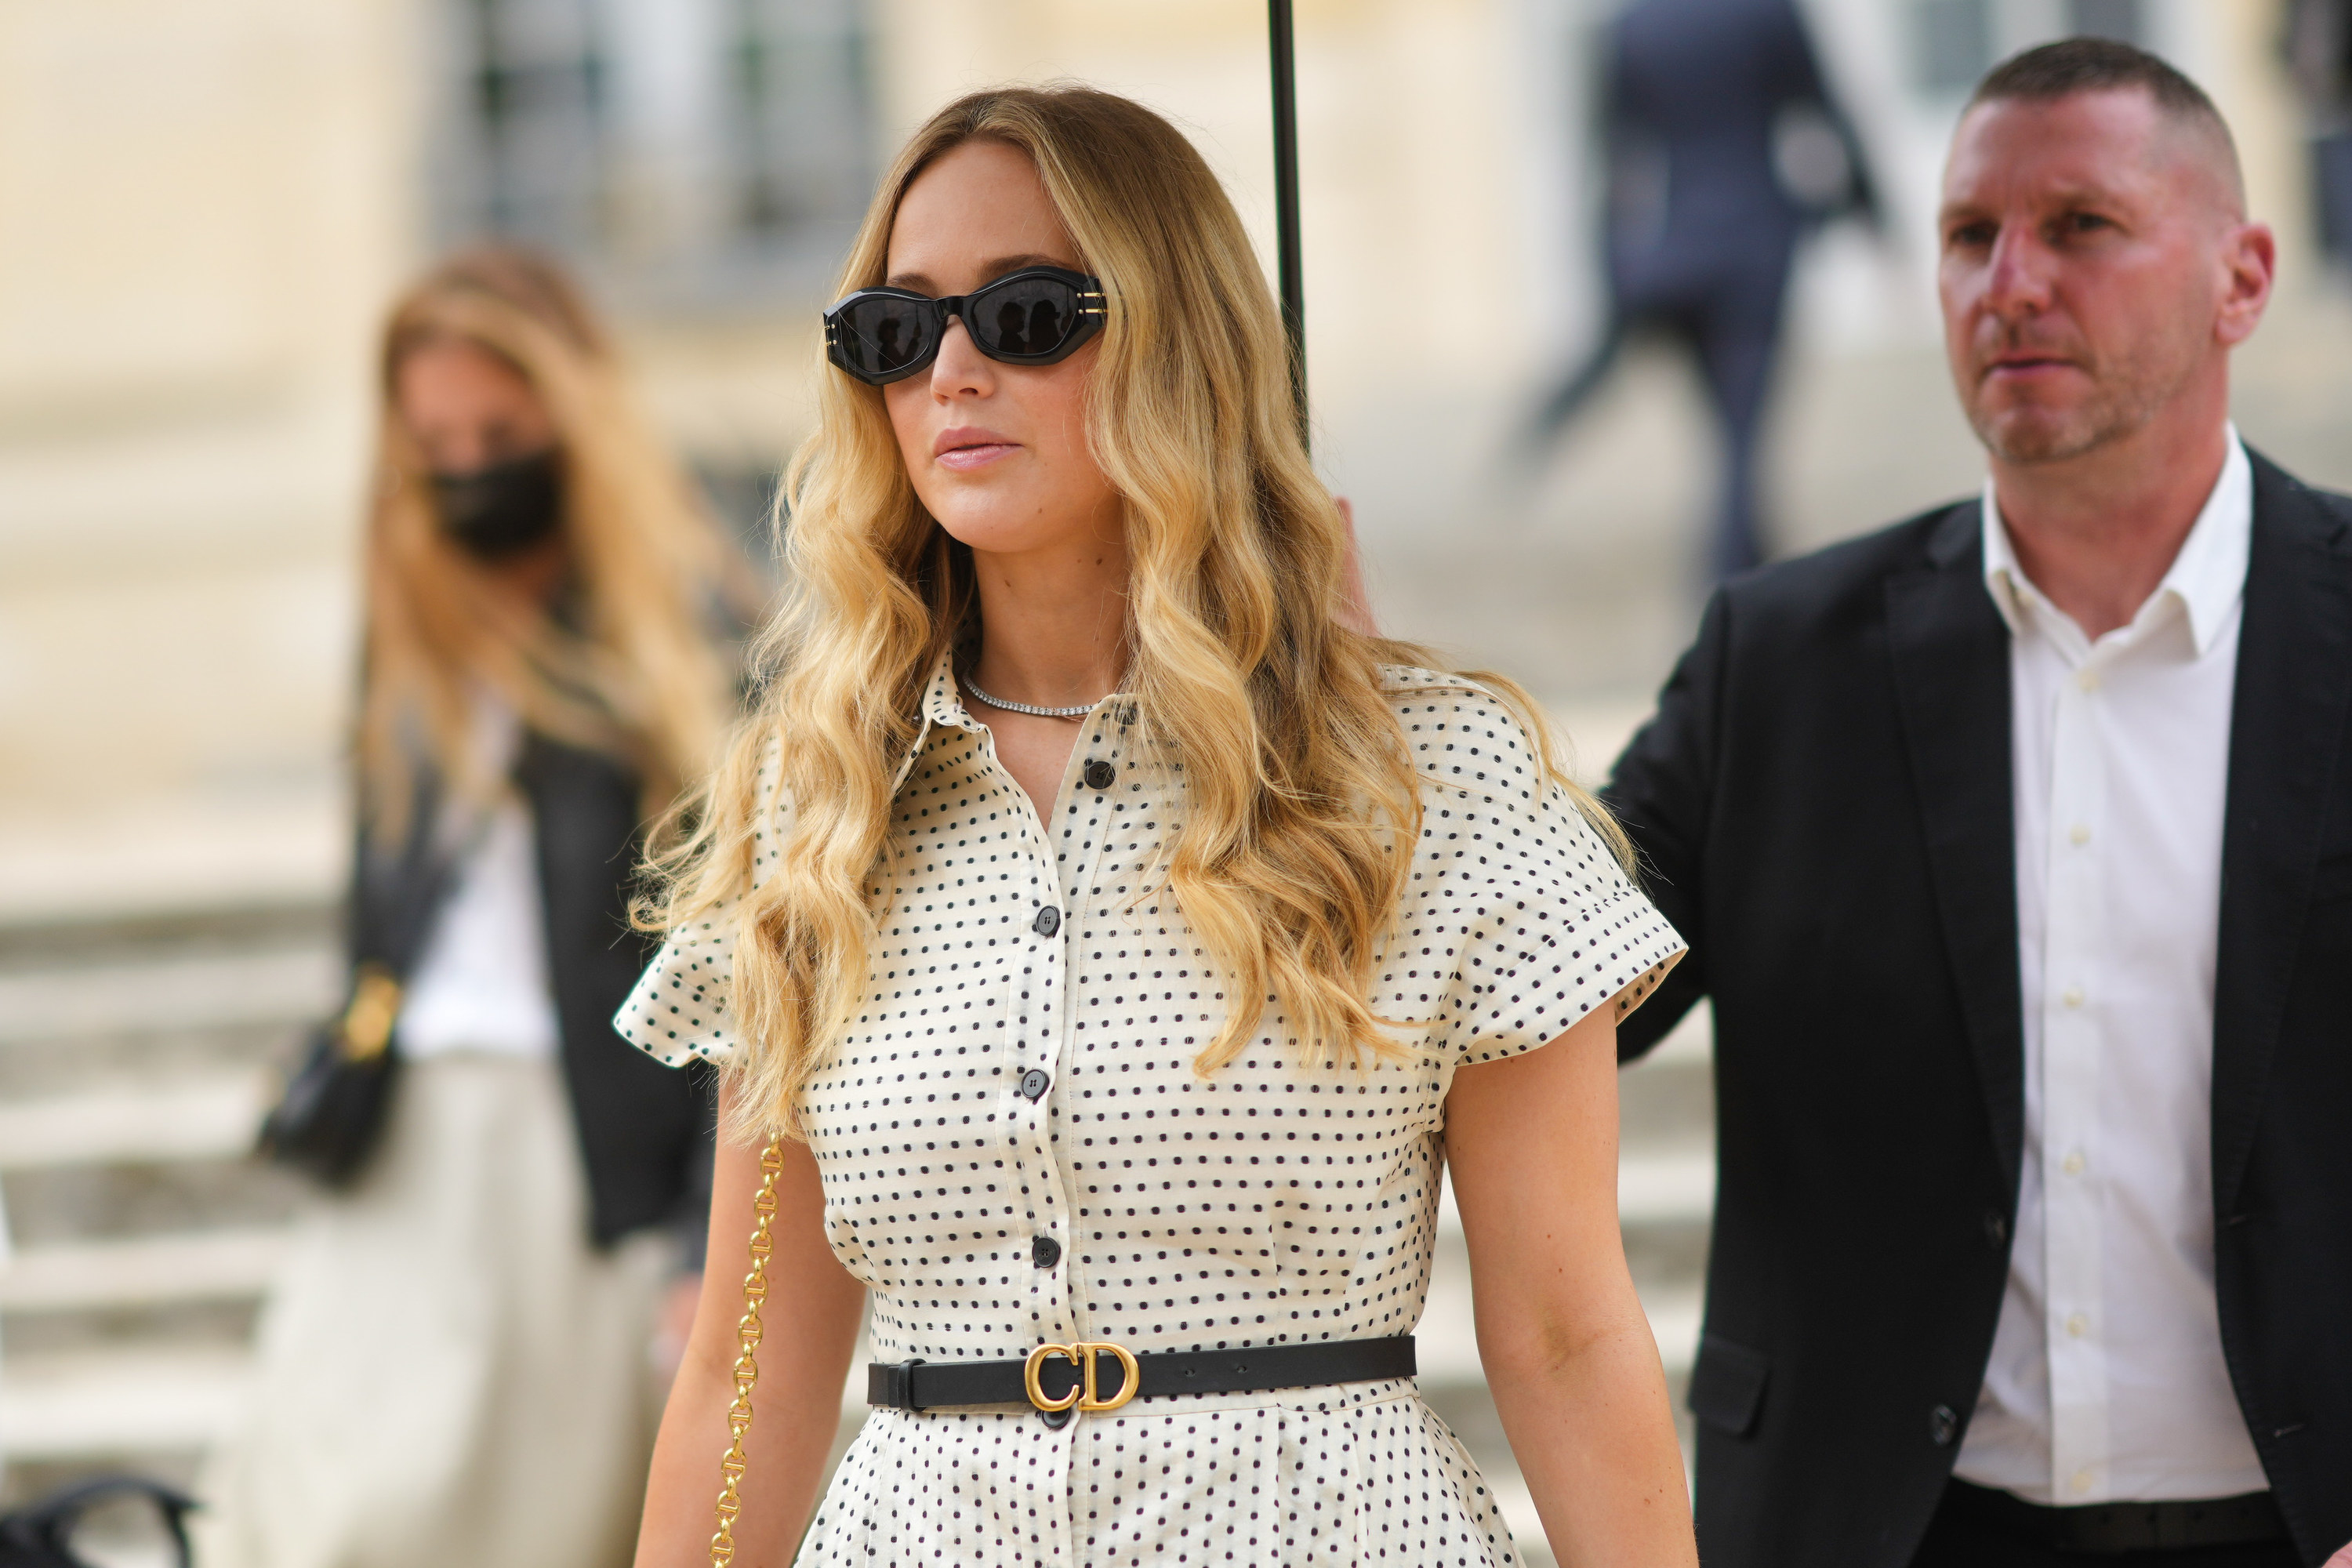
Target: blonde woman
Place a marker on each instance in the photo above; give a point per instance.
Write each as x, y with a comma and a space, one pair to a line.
455, 1363
1119, 946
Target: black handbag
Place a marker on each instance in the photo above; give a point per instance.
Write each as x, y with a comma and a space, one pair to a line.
46, 1534
332, 1115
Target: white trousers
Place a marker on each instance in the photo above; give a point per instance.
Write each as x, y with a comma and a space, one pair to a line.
449, 1375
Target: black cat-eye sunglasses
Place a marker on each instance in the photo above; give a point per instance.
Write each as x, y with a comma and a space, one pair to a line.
1038, 315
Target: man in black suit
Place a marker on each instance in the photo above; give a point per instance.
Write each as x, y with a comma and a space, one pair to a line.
2015, 848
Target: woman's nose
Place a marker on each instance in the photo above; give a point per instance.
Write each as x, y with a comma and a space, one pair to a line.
960, 368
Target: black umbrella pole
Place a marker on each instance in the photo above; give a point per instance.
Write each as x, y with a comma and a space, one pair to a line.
1285, 198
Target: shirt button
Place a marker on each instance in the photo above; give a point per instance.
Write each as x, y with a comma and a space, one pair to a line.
2079, 1482
1943, 1426
1100, 774
2074, 1164
2080, 833
1045, 1252
1048, 922
2077, 1324
1033, 1084
2088, 680
2072, 998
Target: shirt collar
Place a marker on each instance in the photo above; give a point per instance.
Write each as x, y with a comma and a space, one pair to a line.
2207, 578
943, 701
943, 709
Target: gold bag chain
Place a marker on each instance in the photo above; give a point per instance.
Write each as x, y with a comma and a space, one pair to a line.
747, 1360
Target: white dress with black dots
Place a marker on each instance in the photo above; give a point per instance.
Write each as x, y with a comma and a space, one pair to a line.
1016, 1151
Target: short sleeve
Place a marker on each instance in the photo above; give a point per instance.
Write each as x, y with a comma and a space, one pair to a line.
1516, 922
679, 1009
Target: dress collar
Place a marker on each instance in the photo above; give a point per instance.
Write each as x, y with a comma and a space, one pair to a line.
943, 709
943, 699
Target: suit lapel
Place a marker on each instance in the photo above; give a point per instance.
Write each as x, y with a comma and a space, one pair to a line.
2286, 734
1950, 653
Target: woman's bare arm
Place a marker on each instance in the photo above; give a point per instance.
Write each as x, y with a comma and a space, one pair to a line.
811, 1321
1532, 1140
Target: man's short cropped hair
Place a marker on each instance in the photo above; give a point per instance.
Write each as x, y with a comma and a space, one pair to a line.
2070, 66
2096, 65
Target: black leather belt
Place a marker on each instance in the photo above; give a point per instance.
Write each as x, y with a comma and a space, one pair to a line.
1058, 1379
2243, 1521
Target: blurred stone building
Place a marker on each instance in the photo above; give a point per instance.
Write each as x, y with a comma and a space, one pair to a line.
202, 211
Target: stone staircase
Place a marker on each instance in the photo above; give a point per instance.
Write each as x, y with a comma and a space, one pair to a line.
136, 1057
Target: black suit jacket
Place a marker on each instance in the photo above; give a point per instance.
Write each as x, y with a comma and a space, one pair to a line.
645, 1131
1823, 803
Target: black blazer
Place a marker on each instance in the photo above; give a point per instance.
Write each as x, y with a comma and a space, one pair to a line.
1823, 803
645, 1131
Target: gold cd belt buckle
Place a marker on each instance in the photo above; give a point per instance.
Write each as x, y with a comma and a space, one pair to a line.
1087, 1395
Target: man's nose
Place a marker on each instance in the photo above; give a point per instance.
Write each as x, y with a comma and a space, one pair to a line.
2017, 276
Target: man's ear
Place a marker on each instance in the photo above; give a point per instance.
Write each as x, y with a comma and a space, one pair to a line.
2251, 257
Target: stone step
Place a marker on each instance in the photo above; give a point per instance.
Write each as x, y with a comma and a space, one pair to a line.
154, 995
206, 1118
143, 1271
1671, 1188
118, 1402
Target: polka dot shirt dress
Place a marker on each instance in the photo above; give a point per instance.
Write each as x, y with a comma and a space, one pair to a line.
1015, 1150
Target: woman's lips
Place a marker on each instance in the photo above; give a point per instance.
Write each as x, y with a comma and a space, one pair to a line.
964, 448
979, 455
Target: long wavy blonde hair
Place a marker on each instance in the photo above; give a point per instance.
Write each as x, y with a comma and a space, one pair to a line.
629, 665
1299, 805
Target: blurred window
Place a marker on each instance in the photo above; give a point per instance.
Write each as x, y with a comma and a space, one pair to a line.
1952, 43
801, 101
527, 158
683, 153
2108, 19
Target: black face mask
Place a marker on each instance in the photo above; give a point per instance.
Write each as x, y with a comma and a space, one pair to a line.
505, 508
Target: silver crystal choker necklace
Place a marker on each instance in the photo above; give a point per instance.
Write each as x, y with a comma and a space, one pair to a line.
1080, 711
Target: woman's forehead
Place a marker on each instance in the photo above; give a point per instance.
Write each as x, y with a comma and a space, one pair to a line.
975, 206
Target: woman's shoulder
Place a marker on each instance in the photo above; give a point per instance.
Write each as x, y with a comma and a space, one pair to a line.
1458, 730
1408, 682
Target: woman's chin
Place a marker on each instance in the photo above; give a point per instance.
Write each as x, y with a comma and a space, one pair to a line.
1014, 528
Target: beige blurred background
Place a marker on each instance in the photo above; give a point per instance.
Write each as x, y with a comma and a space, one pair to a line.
203, 210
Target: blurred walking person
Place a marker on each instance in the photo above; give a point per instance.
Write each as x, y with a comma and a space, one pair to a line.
1723, 147
455, 1367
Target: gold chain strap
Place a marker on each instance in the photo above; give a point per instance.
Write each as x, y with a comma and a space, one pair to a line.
747, 1362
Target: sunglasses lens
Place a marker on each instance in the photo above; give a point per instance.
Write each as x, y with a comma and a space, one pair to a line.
1024, 317
883, 337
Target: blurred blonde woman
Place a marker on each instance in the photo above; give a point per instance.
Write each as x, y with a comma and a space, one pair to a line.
455, 1363
1118, 944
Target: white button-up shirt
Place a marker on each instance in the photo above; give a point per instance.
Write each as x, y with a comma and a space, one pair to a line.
2106, 1381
